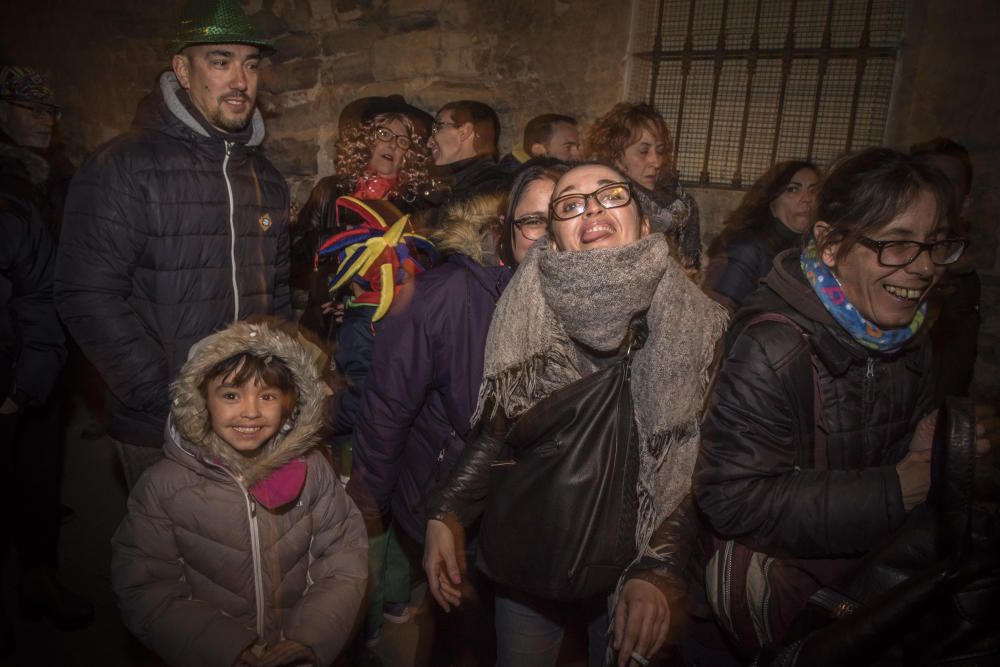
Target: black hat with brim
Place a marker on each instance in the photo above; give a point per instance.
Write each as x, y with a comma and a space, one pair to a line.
366, 108
217, 22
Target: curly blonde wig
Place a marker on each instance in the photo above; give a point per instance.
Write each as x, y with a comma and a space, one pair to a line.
621, 127
354, 151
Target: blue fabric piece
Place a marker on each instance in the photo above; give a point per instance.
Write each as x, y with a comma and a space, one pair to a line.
831, 295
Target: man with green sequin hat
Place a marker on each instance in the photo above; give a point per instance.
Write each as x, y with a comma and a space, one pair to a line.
177, 228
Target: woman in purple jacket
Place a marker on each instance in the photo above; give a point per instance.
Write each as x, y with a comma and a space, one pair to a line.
427, 365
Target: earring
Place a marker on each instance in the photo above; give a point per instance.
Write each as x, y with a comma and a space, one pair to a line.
287, 426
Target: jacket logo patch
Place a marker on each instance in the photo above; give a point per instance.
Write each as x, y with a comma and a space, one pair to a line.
265, 221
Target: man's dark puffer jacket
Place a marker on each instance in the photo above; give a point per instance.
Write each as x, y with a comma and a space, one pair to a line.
148, 263
747, 482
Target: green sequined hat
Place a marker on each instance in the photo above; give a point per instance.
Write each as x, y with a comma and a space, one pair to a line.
217, 22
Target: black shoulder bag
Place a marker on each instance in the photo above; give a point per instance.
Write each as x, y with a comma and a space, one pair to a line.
931, 594
560, 517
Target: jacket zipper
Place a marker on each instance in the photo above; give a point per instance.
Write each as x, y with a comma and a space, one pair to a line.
258, 577
866, 386
232, 230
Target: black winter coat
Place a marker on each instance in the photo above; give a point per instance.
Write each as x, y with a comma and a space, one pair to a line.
738, 262
760, 422
32, 347
171, 232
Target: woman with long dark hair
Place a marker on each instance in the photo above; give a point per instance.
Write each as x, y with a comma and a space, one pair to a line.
773, 216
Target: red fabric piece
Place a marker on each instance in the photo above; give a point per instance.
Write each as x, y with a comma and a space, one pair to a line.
373, 186
282, 486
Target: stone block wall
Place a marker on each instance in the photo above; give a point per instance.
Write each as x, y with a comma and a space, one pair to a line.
523, 57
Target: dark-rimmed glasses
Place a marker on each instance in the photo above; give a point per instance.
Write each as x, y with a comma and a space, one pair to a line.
532, 227
388, 136
902, 253
613, 195
38, 111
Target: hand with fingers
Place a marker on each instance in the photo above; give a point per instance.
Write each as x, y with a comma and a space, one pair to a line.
642, 619
444, 561
287, 653
914, 470
987, 429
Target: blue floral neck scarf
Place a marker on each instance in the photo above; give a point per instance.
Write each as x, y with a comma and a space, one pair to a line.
831, 295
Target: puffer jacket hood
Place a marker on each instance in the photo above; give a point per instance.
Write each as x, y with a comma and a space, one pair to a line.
189, 431
163, 110
469, 228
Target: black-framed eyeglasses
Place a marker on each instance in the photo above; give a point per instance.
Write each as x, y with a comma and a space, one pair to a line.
532, 227
387, 135
38, 111
438, 124
902, 253
613, 195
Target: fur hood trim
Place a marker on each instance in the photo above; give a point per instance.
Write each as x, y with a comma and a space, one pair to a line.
190, 421
469, 228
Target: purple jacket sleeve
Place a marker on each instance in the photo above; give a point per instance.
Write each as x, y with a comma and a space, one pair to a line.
400, 377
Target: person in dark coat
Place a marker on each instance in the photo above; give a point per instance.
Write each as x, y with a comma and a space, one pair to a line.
955, 306
772, 217
33, 179
426, 368
32, 349
822, 463
550, 135
580, 300
176, 228
463, 145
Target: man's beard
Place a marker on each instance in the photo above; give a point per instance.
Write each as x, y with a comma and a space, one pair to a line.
232, 123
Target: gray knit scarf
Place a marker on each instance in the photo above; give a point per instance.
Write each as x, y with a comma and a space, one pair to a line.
590, 297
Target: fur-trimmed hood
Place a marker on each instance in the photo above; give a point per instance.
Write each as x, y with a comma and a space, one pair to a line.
470, 228
189, 430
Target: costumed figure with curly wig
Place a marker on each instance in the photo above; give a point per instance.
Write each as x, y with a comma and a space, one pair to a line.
381, 154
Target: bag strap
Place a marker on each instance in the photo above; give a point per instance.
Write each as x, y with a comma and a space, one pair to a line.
820, 426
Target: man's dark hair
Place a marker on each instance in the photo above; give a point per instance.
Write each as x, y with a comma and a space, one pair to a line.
946, 147
484, 120
539, 129
863, 192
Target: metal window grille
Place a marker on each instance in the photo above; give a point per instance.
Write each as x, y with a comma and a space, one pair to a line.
747, 83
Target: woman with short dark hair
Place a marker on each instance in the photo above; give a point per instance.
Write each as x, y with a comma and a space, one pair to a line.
817, 442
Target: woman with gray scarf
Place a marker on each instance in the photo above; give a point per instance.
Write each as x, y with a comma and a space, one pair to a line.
570, 311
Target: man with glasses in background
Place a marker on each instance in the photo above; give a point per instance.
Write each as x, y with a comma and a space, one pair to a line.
463, 146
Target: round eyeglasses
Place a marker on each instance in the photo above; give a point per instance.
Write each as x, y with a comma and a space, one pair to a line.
387, 135
613, 195
902, 253
532, 227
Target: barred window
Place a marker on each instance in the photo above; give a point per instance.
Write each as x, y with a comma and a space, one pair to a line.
747, 83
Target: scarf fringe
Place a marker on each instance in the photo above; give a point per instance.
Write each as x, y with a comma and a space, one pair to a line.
519, 387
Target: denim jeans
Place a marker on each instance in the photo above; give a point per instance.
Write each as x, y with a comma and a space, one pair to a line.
530, 631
